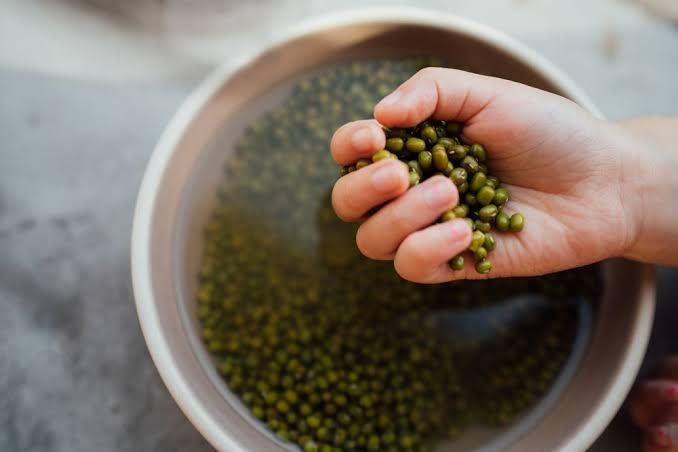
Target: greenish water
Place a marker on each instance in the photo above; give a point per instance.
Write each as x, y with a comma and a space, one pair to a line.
333, 351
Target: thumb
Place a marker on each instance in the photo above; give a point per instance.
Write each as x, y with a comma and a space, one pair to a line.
442, 94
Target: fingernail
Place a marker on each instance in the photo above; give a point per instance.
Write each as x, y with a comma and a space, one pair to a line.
438, 194
459, 228
362, 138
391, 99
672, 392
660, 436
386, 178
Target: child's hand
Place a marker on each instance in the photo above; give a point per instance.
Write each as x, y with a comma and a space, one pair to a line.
565, 171
654, 408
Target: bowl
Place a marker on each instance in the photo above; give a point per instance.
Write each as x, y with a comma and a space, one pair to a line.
180, 185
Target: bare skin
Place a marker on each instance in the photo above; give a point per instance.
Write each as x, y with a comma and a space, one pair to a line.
589, 189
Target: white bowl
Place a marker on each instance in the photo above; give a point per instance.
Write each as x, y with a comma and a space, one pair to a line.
181, 181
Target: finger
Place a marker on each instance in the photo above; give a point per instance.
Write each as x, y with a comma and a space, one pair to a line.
356, 140
356, 193
439, 93
488, 108
662, 438
424, 255
650, 399
380, 235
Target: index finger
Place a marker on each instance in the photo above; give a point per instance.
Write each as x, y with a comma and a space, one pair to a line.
356, 140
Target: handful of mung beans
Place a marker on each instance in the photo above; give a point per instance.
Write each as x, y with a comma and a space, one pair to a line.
435, 148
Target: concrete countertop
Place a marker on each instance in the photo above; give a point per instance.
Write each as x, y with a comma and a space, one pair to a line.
76, 129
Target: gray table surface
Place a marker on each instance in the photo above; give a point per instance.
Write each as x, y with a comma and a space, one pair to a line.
75, 374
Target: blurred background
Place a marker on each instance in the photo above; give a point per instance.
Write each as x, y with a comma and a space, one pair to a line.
86, 88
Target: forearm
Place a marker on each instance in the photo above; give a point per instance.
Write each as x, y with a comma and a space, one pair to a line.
650, 176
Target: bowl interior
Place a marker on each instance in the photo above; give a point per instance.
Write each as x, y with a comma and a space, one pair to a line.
187, 190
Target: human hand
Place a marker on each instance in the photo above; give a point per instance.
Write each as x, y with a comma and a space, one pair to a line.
653, 406
563, 167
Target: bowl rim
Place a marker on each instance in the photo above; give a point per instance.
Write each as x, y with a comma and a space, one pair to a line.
141, 258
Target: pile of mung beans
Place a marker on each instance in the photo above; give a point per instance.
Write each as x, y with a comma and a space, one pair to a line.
332, 351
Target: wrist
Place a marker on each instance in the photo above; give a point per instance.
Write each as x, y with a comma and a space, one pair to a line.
648, 182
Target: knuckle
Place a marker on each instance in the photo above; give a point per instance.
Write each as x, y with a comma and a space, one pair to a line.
400, 220
403, 269
427, 72
416, 255
362, 243
367, 246
424, 109
335, 140
342, 202
411, 272
352, 205
410, 262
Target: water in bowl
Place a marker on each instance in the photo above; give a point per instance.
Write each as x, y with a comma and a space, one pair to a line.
332, 351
